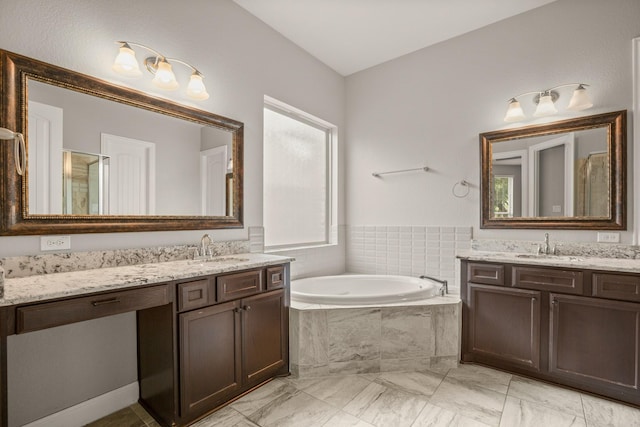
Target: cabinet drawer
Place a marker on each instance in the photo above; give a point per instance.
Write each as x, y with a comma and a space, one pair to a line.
488, 274
195, 294
616, 286
47, 315
275, 277
237, 285
548, 279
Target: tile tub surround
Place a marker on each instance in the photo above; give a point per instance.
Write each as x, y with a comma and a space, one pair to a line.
56, 285
22, 266
325, 340
407, 250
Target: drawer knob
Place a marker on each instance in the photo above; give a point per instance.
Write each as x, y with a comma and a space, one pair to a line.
105, 301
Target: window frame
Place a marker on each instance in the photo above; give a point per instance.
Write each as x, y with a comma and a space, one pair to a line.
331, 168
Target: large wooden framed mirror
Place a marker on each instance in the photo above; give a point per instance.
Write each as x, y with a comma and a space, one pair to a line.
569, 174
104, 158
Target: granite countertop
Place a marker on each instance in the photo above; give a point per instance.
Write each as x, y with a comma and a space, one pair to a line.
628, 265
57, 285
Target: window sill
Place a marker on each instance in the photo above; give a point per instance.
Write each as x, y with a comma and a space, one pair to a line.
298, 248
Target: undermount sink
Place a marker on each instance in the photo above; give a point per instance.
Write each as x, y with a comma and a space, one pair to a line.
230, 259
536, 256
544, 256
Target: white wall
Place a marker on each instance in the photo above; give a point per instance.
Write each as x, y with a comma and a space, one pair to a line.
428, 107
242, 60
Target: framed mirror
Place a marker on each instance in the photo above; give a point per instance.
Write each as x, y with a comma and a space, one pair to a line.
569, 174
104, 158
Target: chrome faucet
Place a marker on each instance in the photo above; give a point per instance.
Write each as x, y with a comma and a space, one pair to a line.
546, 248
444, 290
204, 251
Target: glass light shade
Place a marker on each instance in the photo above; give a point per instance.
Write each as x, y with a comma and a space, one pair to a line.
126, 63
514, 112
196, 88
165, 79
580, 100
545, 106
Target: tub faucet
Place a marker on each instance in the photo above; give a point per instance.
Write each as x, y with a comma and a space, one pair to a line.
444, 289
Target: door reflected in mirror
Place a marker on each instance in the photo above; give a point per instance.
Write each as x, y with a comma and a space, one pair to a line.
560, 175
158, 164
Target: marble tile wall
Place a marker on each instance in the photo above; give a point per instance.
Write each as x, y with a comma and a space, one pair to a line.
371, 340
407, 250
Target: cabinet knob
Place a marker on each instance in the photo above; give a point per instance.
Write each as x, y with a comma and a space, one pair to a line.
237, 310
554, 302
246, 308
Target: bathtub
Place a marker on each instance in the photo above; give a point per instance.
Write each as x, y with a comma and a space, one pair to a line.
362, 289
356, 324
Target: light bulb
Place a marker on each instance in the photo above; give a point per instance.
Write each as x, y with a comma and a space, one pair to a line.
580, 100
545, 106
514, 111
196, 88
165, 79
126, 62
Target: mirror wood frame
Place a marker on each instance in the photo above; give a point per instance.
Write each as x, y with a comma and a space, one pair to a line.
616, 124
14, 217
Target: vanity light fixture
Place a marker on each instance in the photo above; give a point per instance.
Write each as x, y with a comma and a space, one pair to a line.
545, 101
18, 148
160, 66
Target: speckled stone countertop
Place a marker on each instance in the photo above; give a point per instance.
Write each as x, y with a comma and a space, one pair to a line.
566, 261
57, 285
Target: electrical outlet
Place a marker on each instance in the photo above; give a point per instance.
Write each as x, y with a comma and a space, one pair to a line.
609, 237
55, 243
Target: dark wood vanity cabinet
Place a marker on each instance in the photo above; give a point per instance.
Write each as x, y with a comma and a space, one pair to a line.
231, 334
575, 327
210, 357
227, 347
593, 344
516, 342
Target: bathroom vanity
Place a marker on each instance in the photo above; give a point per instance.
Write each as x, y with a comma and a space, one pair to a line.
208, 331
569, 320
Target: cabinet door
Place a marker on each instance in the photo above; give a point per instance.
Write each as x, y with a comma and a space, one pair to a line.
210, 361
504, 326
265, 336
596, 342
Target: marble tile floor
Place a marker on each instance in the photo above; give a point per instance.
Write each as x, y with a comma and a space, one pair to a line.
467, 396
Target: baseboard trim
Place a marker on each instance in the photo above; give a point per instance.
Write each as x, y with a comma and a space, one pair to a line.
92, 409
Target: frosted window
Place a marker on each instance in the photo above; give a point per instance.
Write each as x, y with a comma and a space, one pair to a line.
296, 180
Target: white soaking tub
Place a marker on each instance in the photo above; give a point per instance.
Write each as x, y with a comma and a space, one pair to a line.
362, 289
